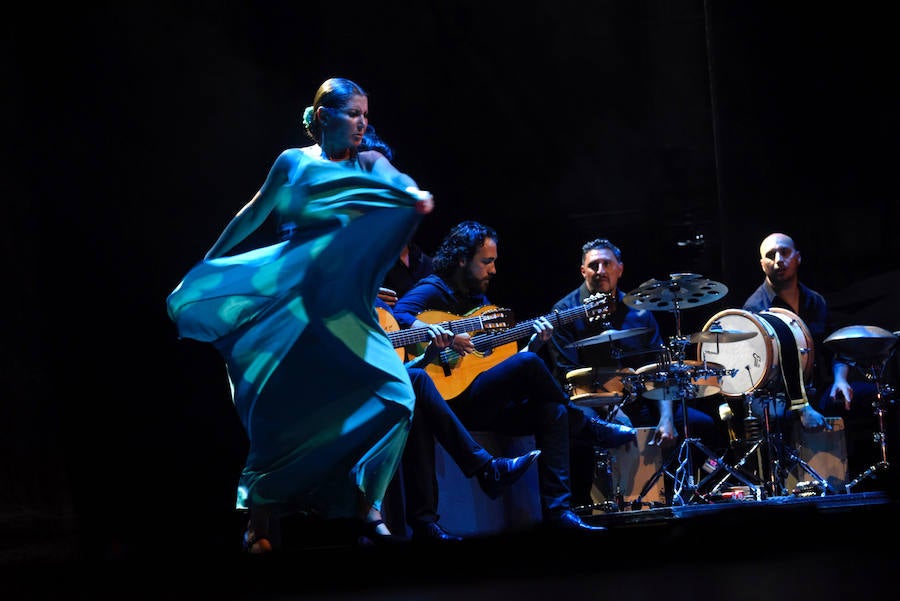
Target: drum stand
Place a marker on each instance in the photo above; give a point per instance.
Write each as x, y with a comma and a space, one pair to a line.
684, 488
776, 449
883, 393
603, 474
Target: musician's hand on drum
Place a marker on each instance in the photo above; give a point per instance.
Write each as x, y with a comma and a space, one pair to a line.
543, 331
664, 436
841, 390
812, 420
462, 344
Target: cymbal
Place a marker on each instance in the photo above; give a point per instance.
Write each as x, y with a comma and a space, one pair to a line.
721, 336
609, 336
684, 290
863, 342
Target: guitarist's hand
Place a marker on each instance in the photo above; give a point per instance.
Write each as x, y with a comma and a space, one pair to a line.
543, 331
462, 344
441, 338
387, 295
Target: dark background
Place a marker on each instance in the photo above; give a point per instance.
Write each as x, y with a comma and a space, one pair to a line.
134, 131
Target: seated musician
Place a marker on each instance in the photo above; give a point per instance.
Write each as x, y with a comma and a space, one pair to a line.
845, 397
508, 390
601, 268
433, 420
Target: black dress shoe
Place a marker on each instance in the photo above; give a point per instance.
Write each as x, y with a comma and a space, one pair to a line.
609, 434
432, 531
500, 472
567, 520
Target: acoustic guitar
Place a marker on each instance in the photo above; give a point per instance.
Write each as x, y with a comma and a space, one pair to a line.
452, 373
493, 318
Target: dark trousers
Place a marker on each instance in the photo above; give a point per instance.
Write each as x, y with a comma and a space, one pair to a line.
433, 419
519, 396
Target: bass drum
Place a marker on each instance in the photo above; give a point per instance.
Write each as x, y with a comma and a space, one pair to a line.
780, 354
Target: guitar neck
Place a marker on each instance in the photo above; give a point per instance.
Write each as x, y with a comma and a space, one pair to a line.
486, 342
489, 341
416, 335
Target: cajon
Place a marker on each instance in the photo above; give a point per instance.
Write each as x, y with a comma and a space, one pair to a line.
631, 469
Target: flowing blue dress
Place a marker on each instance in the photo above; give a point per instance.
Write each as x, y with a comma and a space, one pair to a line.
324, 399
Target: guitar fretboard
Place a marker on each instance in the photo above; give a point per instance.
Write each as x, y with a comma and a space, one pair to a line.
416, 335
487, 341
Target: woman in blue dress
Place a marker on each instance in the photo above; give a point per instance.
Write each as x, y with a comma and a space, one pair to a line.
323, 396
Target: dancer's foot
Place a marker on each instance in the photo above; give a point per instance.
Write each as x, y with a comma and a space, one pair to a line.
374, 531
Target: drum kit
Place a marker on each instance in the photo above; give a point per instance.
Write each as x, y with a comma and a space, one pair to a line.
674, 378
738, 354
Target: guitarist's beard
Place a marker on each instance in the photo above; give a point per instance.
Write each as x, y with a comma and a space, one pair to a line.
475, 286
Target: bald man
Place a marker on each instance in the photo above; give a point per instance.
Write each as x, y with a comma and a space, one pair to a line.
780, 261
852, 400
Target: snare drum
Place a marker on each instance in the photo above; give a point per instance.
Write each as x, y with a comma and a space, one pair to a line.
592, 387
759, 360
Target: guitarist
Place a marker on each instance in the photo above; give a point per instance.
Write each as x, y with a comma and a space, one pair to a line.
434, 420
519, 394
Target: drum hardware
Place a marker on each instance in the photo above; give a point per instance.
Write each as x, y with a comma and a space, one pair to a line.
752, 431
668, 295
869, 348
612, 400
760, 434
779, 359
666, 381
603, 473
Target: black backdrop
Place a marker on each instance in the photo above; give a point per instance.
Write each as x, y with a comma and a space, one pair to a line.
135, 131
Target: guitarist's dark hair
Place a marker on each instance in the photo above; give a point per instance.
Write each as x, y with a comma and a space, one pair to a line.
462, 242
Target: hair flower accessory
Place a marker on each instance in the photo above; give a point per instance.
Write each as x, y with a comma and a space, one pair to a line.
308, 114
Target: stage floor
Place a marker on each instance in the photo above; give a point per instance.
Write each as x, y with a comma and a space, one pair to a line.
772, 505
833, 547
